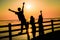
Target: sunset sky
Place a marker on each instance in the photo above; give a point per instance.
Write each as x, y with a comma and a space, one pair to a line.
50, 8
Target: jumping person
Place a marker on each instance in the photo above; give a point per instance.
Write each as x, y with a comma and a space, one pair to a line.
20, 15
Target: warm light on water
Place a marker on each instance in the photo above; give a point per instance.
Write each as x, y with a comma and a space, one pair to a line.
23, 37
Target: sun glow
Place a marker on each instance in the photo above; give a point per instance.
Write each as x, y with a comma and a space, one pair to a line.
28, 6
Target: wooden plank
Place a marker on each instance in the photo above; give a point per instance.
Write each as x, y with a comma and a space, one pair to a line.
56, 20
11, 30
12, 35
2, 26
47, 25
48, 29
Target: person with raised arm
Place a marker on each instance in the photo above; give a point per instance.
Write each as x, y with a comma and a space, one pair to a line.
20, 15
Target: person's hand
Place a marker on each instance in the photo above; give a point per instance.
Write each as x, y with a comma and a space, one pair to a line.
23, 3
9, 9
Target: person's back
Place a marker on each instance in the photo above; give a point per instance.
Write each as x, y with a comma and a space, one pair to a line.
21, 16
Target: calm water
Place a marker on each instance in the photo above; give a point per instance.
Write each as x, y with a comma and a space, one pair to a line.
5, 22
22, 37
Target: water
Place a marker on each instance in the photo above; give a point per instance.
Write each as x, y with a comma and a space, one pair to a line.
6, 22
22, 37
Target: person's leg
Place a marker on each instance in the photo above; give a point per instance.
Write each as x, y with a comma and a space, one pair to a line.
34, 34
26, 26
21, 28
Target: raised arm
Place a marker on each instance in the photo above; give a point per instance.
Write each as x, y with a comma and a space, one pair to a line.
23, 7
11, 10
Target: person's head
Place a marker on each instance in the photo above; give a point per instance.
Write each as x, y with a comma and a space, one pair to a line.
23, 3
32, 17
19, 9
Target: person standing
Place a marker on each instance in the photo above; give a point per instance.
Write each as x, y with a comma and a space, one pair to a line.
32, 22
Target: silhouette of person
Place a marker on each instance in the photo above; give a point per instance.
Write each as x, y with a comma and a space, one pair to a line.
32, 22
40, 20
41, 30
20, 15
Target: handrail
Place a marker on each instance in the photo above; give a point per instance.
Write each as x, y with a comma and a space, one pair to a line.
13, 25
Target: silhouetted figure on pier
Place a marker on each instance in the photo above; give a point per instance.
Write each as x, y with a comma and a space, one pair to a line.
40, 19
20, 15
32, 22
41, 30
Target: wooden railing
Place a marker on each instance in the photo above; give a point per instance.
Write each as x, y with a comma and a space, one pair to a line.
52, 24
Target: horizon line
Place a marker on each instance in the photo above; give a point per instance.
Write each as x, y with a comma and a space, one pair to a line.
35, 19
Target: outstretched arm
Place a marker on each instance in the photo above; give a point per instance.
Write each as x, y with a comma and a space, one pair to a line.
23, 7
11, 10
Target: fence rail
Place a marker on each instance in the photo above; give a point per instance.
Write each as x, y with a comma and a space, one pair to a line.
13, 25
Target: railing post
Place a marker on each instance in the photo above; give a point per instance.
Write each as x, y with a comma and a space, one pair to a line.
52, 25
10, 34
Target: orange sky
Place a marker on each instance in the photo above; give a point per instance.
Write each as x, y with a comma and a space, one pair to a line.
50, 8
